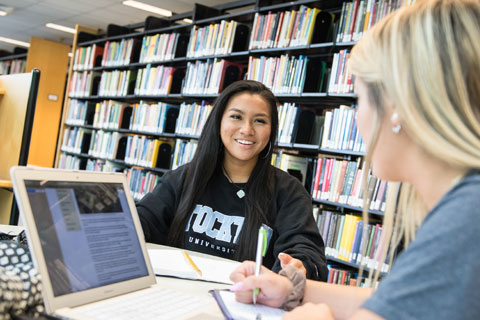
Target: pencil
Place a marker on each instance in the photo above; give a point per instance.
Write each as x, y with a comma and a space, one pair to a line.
190, 261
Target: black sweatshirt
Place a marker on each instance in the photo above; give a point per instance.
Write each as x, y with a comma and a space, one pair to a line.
217, 219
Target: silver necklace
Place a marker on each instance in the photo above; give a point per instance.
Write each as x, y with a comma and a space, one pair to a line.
240, 192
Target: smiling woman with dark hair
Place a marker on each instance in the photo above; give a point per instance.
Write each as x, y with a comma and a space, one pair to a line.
216, 203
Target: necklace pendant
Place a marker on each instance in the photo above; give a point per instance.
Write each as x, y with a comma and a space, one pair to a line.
241, 193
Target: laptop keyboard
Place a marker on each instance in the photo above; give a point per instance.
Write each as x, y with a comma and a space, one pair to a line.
153, 303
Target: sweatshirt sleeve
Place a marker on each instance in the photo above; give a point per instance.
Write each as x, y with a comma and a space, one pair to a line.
157, 208
296, 230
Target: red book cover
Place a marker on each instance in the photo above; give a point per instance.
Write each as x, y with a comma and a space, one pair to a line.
317, 177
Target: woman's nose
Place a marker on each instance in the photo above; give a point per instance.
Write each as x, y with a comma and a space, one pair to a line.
246, 128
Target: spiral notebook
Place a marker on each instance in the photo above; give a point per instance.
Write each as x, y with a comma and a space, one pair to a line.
234, 310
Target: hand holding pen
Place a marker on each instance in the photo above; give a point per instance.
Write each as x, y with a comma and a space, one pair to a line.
273, 288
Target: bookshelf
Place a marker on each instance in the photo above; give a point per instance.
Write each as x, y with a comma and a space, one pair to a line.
143, 92
12, 63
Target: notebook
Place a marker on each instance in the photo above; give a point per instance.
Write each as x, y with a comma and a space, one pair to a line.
87, 244
167, 262
234, 310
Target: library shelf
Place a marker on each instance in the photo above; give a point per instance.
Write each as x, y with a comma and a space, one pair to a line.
14, 56
232, 54
319, 71
350, 264
117, 161
346, 206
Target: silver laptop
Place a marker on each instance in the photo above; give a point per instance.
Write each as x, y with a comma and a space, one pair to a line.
87, 244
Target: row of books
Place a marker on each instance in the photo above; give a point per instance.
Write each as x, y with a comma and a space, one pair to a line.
77, 112
341, 276
282, 74
153, 117
141, 182
144, 151
213, 39
207, 77
192, 118
341, 79
340, 181
12, 66
295, 165
283, 29
346, 239
340, 130
337, 126
102, 166
360, 15
104, 144
87, 57
108, 114
184, 152
154, 80
115, 83
159, 47
286, 121
75, 162
118, 53
81, 84
67, 161
73, 139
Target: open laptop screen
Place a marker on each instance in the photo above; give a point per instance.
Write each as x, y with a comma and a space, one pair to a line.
87, 234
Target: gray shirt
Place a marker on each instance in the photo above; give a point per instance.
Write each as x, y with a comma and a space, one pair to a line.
437, 277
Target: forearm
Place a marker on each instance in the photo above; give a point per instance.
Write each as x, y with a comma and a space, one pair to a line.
342, 300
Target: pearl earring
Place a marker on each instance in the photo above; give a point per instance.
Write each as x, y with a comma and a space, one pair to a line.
396, 128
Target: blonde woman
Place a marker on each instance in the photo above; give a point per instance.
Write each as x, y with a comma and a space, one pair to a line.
418, 86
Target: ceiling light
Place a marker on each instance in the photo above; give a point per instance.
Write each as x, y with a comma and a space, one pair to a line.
16, 42
187, 20
5, 10
61, 28
147, 7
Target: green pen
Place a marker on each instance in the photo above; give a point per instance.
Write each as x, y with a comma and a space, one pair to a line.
261, 250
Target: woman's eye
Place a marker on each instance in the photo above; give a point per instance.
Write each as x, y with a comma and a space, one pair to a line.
261, 121
235, 116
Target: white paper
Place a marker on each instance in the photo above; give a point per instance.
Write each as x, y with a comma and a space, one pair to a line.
167, 262
242, 311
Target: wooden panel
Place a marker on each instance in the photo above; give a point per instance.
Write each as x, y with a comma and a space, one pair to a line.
13, 105
78, 28
51, 58
6, 198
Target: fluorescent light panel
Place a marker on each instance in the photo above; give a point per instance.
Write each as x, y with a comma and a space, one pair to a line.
147, 7
60, 28
16, 42
5, 10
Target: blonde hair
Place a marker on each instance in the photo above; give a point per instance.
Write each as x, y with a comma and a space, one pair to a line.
425, 60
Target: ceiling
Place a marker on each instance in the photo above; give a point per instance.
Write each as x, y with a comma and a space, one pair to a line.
29, 17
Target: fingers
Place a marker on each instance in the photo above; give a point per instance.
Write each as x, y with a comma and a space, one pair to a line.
286, 259
247, 268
